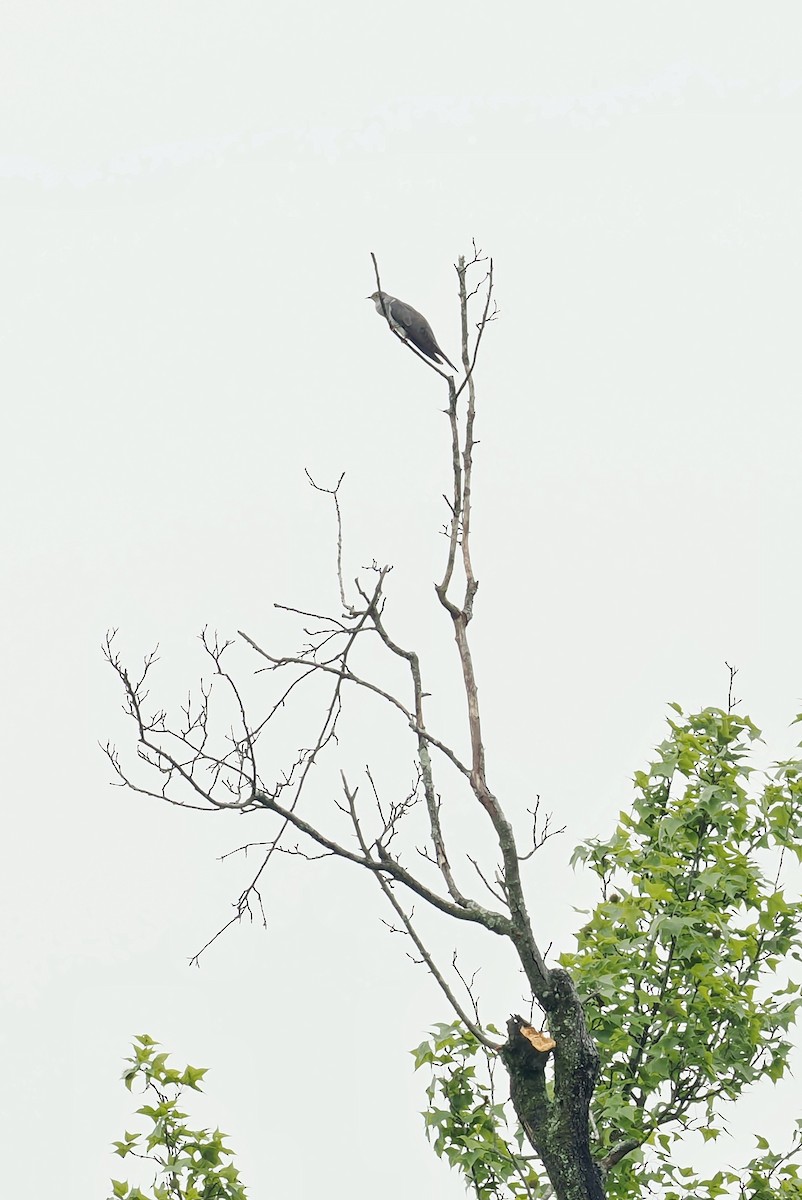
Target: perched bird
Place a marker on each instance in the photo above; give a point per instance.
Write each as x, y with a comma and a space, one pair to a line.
410, 325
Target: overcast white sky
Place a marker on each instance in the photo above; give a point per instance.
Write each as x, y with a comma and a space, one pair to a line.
190, 195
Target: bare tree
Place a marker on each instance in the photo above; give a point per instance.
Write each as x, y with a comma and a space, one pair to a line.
199, 762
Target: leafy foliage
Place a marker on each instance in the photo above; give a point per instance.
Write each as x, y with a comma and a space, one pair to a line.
680, 970
678, 963
464, 1123
190, 1163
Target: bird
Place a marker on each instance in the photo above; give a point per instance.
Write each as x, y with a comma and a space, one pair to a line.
410, 324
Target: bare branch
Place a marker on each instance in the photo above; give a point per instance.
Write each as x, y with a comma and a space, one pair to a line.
540, 835
406, 920
348, 676
385, 865
493, 892
334, 493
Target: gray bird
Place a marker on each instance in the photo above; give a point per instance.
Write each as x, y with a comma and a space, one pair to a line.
409, 323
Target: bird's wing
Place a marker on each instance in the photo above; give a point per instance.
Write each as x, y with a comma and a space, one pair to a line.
409, 319
415, 326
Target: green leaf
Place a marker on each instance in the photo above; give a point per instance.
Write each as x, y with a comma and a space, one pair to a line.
192, 1075
710, 1135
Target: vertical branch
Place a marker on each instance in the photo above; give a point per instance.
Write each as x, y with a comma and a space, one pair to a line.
462, 469
462, 466
462, 616
467, 457
455, 504
424, 757
462, 462
335, 495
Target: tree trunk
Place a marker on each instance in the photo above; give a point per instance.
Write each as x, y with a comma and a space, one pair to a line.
557, 1125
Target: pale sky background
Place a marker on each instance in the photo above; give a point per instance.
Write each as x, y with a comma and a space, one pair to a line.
190, 195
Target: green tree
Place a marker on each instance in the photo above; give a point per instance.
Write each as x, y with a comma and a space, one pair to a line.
670, 1004
682, 971
190, 1164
